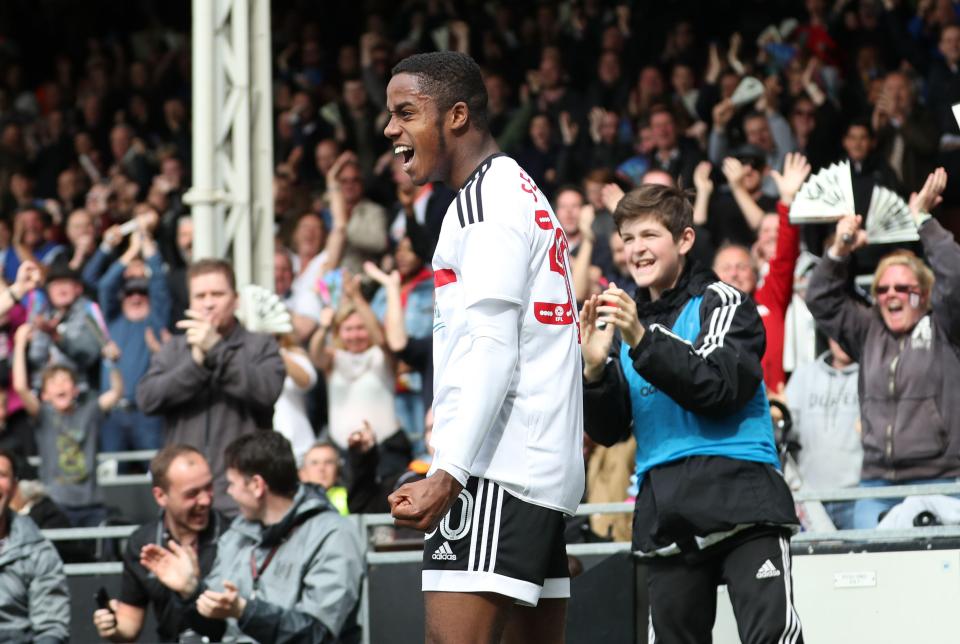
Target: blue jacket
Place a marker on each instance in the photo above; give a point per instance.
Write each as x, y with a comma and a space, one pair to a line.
129, 336
677, 432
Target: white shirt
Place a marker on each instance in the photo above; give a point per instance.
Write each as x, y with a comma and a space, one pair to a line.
303, 298
290, 412
500, 241
360, 389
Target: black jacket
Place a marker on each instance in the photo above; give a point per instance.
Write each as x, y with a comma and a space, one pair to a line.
691, 503
716, 386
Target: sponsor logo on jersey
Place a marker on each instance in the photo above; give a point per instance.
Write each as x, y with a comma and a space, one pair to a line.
543, 219
553, 313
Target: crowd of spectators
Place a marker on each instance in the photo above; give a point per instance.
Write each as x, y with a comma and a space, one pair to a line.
104, 344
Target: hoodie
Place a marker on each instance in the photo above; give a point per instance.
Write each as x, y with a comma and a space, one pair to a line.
825, 409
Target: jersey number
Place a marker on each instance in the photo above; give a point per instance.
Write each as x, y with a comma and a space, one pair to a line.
553, 312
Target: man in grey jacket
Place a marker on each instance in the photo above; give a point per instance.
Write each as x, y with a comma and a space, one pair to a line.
34, 604
908, 347
217, 381
69, 329
288, 570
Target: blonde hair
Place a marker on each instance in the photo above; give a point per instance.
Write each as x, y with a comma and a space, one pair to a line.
906, 258
343, 312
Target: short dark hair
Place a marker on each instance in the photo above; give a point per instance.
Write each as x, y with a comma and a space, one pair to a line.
859, 122
449, 77
268, 454
666, 204
568, 187
14, 462
213, 265
162, 460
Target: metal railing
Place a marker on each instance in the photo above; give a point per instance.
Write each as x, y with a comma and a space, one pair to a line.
366, 521
121, 457
802, 541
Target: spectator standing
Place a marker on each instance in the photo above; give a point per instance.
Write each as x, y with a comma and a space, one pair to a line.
183, 490
70, 328
16, 428
137, 311
676, 155
416, 301
907, 348
305, 306
28, 242
358, 368
68, 428
733, 216
34, 599
290, 413
766, 130
81, 235
217, 381
825, 410
736, 266
943, 91
304, 583
906, 132
366, 228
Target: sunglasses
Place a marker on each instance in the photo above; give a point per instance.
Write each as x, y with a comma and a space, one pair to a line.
753, 162
899, 288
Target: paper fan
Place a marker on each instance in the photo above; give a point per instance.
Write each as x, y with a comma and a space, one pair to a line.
889, 219
749, 90
261, 311
824, 197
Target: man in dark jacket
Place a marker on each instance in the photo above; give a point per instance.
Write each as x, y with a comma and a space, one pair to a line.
217, 381
685, 376
183, 488
34, 603
289, 569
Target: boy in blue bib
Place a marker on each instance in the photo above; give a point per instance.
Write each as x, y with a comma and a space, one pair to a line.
678, 365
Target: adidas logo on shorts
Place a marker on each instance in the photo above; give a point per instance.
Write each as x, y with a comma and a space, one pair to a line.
445, 553
766, 571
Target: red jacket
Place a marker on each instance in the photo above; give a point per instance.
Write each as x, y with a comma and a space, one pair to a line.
774, 297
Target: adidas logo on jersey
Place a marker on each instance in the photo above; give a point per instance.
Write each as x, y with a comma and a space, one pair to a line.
766, 571
445, 553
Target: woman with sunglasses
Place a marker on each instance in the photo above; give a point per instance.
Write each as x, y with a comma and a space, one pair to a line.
908, 347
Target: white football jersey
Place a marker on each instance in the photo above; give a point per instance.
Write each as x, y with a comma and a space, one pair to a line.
501, 240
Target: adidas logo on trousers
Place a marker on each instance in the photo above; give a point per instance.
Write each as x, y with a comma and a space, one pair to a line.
766, 571
444, 552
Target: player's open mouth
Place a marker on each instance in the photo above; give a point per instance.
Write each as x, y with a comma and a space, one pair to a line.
406, 152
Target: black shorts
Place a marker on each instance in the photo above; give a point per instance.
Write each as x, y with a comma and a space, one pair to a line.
492, 542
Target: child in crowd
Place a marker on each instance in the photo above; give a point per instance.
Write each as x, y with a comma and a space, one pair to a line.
68, 427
